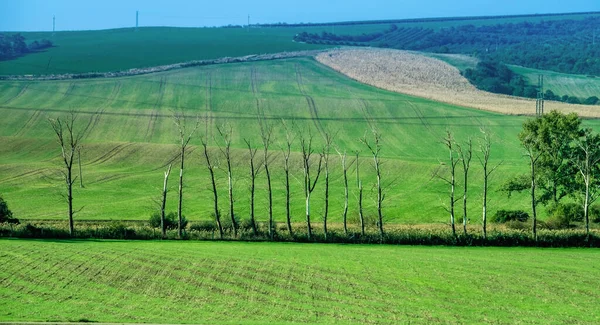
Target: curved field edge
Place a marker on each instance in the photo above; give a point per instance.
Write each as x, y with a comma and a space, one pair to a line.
424, 76
183, 282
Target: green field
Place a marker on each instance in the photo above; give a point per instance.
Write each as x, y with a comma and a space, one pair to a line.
561, 83
255, 283
125, 48
130, 137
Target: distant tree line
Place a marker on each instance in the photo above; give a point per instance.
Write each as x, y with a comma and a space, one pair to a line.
568, 46
13, 46
496, 77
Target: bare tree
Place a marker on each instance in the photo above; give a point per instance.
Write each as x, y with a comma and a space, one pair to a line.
484, 158
211, 170
287, 151
360, 197
448, 141
587, 160
185, 135
345, 166
309, 183
534, 155
266, 131
69, 140
254, 170
225, 132
465, 154
375, 150
163, 202
325, 154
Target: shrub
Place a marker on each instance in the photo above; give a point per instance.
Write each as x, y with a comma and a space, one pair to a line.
5, 213
118, 230
594, 213
503, 216
205, 225
568, 212
171, 221
517, 225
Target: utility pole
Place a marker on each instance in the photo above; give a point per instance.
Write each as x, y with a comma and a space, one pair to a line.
53, 25
248, 23
539, 103
137, 15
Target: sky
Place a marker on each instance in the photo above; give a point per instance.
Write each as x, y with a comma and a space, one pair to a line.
36, 15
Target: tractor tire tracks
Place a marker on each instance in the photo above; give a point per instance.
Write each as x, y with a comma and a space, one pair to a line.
312, 107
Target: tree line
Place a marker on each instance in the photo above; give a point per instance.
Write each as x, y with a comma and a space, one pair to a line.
496, 77
568, 46
14, 45
563, 158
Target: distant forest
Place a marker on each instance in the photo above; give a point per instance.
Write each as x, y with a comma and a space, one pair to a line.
14, 46
567, 46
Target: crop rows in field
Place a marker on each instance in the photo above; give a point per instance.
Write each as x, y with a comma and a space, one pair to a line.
173, 282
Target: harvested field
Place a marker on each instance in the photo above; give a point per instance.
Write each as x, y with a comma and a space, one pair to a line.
415, 74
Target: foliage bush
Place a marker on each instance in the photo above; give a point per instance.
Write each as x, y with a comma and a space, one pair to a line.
171, 221
595, 213
503, 216
573, 211
5, 213
205, 225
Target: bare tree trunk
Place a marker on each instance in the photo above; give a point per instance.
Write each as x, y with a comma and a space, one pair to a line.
375, 149
70, 199
309, 184
164, 203
448, 141
253, 172
533, 200
360, 198
270, 190
214, 188
70, 141
345, 173
287, 195
465, 156
484, 158
226, 133
185, 138
180, 203
286, 167
266, 131
325, 155
484, 212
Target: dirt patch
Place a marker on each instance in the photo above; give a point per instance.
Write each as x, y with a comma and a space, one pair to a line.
418, 75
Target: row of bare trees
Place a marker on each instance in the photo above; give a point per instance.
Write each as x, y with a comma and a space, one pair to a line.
463, 153
315, 163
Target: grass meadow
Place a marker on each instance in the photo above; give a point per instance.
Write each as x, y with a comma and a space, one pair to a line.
254, 283
562, 83
130, 137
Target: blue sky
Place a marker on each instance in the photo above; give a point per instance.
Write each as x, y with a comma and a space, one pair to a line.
36, 15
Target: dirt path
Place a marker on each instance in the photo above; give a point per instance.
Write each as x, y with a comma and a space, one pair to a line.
418, 75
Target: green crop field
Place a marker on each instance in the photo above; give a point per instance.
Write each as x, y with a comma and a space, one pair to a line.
130, 137
126, 48
256, 283
561, 83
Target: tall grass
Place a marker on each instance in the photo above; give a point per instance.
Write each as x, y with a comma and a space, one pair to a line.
395, 235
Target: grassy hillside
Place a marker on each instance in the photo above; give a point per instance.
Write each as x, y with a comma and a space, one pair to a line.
120, 49
255, 283
561, 83
130, 138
